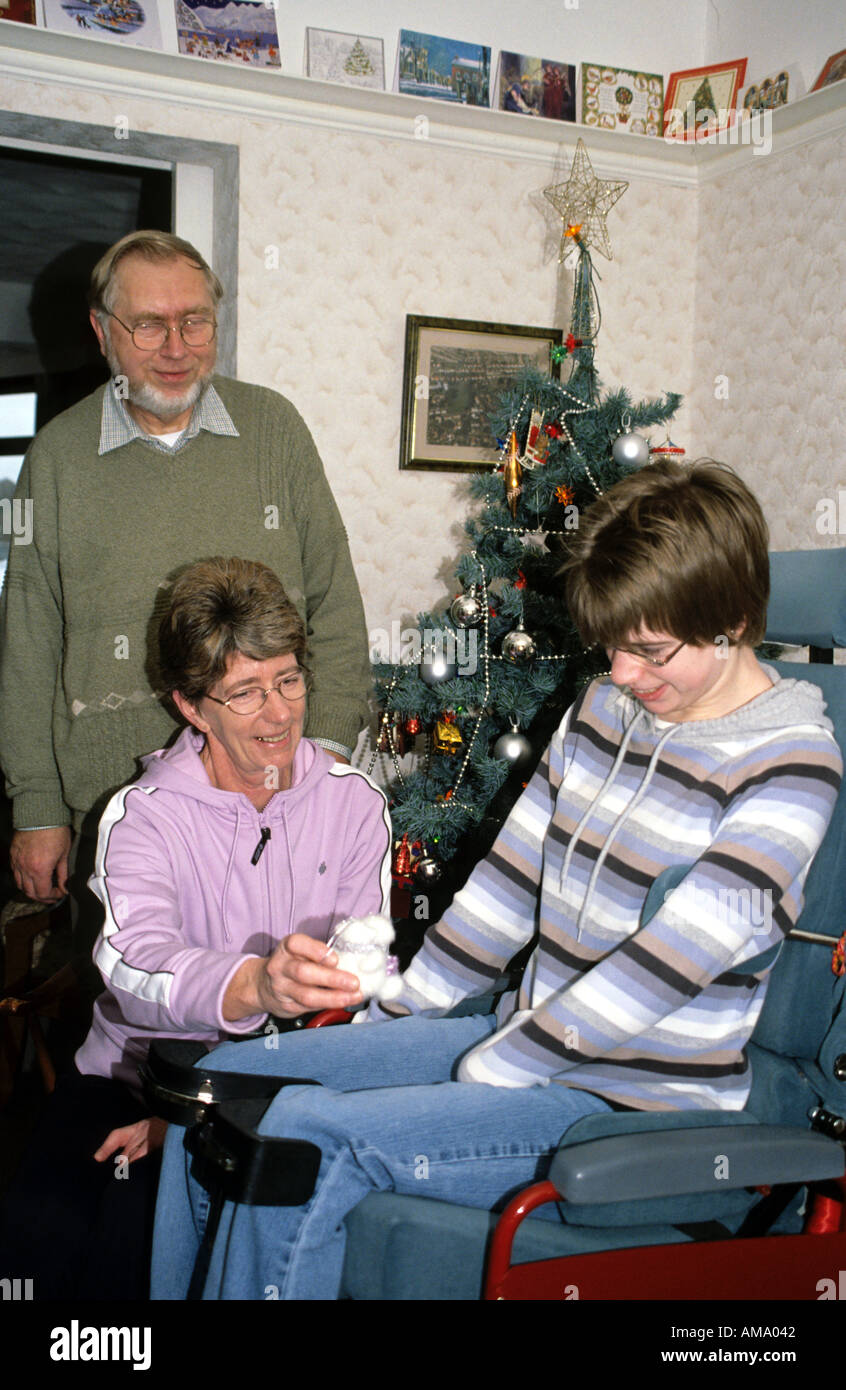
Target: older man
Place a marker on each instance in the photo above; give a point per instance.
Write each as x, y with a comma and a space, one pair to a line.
164, 465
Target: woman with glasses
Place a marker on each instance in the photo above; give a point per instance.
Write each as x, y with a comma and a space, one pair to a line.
689, 756
223, 870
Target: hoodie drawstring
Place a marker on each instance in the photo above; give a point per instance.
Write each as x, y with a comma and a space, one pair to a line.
292, 913
576, 835
618, 824
230, 864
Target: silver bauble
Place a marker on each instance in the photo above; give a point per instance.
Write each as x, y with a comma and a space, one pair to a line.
514, 747
630, 448
435, 668
518, 645
466, 610
427, 870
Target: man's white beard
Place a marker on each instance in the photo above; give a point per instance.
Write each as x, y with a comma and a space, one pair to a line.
162, 406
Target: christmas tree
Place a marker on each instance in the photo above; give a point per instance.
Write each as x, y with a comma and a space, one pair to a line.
498, 668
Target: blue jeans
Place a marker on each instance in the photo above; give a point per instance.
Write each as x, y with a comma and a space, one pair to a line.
388, 1118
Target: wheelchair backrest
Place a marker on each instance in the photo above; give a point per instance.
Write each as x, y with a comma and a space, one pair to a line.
808, 598
804, 1013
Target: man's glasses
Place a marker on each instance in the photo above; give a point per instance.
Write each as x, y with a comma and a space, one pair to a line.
641, 655
196, 331
291, 687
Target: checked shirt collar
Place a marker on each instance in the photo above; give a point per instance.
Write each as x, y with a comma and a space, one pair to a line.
117, 426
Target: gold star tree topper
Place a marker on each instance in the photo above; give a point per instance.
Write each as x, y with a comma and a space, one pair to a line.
583, 202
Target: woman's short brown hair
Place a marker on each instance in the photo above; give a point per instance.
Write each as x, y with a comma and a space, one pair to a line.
152, 246
218, 608
679, 549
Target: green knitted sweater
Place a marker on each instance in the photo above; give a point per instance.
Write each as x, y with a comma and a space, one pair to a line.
80, 606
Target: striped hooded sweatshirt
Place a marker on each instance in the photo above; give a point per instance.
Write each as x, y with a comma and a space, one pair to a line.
655, 1014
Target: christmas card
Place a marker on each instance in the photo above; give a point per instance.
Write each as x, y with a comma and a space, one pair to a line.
834, 70
354, 59
619, 99
231, 31
536, 87
776, 90
133, 22
21, 10
701, 101
429, 66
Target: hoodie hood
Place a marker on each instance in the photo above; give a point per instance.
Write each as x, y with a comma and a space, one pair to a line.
788, 704
180, 769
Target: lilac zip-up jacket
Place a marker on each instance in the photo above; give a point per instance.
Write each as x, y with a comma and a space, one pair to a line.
188, 897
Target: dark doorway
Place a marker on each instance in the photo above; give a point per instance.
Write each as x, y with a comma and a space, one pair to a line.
60, 213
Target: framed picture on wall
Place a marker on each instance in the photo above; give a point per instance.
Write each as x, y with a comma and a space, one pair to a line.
456, 371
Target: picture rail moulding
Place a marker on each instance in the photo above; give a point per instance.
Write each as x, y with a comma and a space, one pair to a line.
27, 53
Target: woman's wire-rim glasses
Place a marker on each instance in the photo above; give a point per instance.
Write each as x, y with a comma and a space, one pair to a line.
291, 687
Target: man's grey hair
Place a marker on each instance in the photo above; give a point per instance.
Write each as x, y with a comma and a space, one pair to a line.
153, 246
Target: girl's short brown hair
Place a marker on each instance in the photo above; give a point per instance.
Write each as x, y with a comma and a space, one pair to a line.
680, 549
218, 608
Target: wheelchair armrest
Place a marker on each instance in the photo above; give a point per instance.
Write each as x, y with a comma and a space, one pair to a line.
672, 1162
182, 1091
233, 1159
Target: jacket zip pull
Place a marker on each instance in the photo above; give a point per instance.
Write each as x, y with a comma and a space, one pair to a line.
259, 849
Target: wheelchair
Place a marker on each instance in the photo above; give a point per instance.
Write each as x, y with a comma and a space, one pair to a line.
728, 1205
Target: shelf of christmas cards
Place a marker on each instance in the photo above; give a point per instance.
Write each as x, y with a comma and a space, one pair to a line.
65, 61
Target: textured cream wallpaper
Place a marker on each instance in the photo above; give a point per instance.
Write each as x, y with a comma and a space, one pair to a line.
771, 270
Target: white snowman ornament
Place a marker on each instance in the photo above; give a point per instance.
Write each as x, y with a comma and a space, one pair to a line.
361, 945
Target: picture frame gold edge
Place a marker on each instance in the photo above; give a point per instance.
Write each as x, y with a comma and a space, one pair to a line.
413, 325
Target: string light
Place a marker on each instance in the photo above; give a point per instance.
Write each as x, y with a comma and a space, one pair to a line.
486, 660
